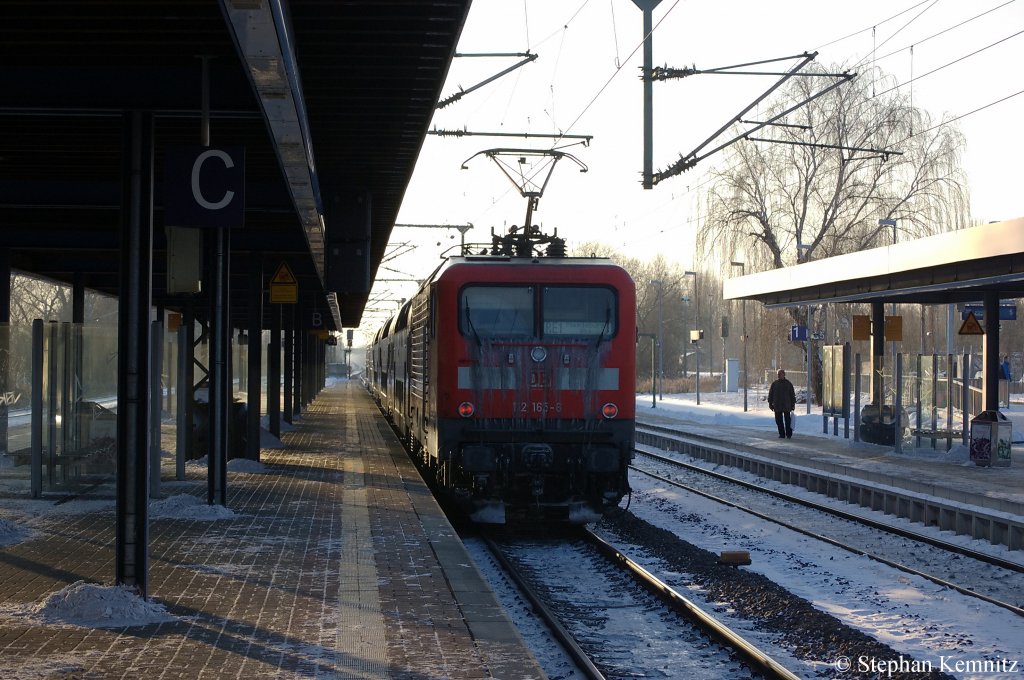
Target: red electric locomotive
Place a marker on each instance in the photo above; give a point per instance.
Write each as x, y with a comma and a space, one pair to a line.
511, 375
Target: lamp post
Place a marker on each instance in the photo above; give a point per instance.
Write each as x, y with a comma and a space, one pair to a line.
654, 403
889, 222
686, 300
661, 350
810, 365
743, 272
696, 342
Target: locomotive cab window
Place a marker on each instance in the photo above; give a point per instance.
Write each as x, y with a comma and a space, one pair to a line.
496, 311
579, 311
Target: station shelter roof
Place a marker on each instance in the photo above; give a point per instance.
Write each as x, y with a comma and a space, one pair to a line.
953, 267
326, 97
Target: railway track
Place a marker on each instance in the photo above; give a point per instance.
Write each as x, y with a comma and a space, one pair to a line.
983, 519
612, 630
914, 559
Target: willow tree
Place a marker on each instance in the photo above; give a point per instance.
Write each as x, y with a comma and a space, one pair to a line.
823, 182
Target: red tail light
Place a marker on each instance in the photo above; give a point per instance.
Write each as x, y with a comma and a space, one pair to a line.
466, 409
609, 410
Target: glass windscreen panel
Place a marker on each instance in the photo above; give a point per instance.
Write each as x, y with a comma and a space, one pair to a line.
578, 312
497, 311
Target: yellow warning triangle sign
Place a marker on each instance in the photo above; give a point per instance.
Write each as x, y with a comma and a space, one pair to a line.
970, 326
283, 276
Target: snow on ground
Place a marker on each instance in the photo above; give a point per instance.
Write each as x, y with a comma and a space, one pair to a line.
12, 532
85, 604
186, 506
246, 465
94, 606
953, 632
913, 616
917, 618
726, 408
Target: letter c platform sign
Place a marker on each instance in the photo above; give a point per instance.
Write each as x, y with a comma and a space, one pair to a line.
204, 186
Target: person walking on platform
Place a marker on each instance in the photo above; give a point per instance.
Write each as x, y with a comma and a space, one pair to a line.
782, 400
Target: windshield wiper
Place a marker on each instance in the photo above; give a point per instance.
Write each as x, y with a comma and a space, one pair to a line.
469, 320
607, 323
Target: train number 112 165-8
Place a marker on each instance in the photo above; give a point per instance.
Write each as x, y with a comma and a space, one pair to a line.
526, 407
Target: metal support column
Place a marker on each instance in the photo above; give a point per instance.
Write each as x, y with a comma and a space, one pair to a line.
274, 372
183, 420
155, 402
135, 287
290, 321
990, 353
77, 353
647, 7
5, 340
220, 372
36, 409
299, 359
255, 364
877, 353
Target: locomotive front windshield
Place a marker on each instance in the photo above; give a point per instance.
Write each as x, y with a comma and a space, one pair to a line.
497, 311
515, 311
578, 311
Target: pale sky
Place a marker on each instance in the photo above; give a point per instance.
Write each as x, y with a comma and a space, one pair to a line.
585, 81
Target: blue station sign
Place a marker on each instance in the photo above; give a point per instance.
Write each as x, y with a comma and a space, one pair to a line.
1006, 312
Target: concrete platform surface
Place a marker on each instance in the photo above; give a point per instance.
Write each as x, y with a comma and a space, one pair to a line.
332, 560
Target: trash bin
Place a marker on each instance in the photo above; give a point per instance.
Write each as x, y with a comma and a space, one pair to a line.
991, 439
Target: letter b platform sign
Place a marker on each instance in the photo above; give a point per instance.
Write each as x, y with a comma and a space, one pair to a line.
204, 186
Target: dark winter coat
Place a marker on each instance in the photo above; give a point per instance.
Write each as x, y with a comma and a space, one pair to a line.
782, 396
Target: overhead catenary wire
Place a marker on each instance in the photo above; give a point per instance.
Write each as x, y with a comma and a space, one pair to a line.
869, 28
615, 33
962, 116
897, 32
921, 41
619, 68
951, 63
694, 189
708, 179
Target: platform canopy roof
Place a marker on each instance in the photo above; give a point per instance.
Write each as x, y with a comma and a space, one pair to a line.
953, 267
327, 97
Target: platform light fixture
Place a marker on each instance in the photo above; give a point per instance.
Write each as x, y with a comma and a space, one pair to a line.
661, 352
743, 272
696, 316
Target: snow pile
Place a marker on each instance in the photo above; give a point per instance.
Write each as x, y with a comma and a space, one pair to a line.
246, 465
11, 533
285, 425
93, 606
185, 506
269, 441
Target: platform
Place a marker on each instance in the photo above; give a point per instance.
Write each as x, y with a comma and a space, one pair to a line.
335, 562
920, 484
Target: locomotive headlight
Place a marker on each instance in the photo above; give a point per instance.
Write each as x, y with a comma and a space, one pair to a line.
538, 354
609, 410
466, 409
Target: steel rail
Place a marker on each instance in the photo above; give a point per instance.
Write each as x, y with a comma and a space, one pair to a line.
564, 637
853, 517
831, 541
759, 660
